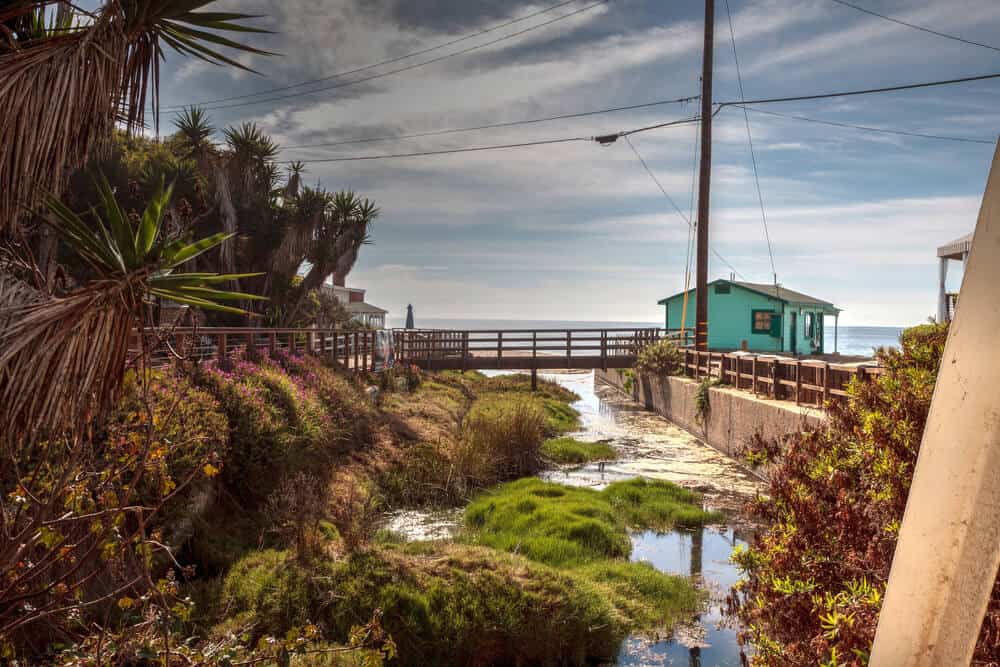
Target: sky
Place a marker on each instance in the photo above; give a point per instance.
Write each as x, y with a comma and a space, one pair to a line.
579, 231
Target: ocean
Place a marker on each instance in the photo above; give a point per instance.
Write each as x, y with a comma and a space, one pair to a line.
851, 340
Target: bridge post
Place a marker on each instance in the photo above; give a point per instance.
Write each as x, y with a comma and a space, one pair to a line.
534, 361
569, 348
465, 350
355, 345
604, 350
499, 349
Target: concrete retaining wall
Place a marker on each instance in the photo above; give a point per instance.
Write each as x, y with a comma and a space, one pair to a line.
734, 416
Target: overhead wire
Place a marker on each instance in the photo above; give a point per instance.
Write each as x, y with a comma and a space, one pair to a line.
436, 47
448, 151
753, 156
409, 67
603, 139
916, 27
657, 181
491, 126
864, 91
868, 128
685, 218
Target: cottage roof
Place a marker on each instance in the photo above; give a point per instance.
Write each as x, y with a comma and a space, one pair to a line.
779, 292
360, 307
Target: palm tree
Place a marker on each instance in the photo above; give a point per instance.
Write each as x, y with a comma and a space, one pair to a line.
102, 69
337, 240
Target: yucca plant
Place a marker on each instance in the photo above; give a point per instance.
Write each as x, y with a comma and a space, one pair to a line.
62, 359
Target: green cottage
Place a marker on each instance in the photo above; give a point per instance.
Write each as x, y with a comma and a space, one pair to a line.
759, 317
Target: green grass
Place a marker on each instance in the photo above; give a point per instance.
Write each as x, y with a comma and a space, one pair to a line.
584, 533
442, 604
658, 505
570, 450
566, 526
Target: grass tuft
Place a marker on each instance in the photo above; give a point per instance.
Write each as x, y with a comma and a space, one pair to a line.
569, 450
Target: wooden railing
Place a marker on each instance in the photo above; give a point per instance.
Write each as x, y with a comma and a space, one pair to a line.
352, 349
523, 348
806, 381
432, 349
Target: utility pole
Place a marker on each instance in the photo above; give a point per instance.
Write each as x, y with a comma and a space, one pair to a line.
704, 182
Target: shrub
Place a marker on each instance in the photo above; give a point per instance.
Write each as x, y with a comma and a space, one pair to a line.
296, 507
572, 451
660, 358
349, 409
814, 580
280, 421
191, 434
354, 511
501, 439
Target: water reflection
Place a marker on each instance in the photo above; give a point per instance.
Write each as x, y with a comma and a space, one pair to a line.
699, 553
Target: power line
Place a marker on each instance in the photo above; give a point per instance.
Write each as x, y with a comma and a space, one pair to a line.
671, 123
434, 133
473, 149
866, 91
657, 181
916, 27
390, 61
753, 156
670, 199
604, 140
412, 66
868, 128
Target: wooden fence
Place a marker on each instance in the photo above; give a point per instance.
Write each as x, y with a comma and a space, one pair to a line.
805, 381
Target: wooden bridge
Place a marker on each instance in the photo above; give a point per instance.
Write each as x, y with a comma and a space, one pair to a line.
429, 349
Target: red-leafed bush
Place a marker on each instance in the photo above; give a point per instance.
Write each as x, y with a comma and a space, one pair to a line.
816, 576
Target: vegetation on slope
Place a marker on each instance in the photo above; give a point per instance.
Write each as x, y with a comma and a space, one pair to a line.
441, 604
816, 578
461, 432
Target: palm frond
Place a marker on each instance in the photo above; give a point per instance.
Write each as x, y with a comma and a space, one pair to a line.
62, 359
64, 86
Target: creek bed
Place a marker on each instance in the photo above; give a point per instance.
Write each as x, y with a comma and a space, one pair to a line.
653, 447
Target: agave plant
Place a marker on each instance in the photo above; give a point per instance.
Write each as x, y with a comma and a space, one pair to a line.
62, 359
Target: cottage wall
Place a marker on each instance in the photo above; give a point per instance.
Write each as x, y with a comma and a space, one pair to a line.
730, 318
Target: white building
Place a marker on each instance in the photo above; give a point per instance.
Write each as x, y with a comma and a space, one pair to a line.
353, 299
956, 250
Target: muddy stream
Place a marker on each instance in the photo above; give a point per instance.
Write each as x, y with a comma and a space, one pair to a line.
650, 446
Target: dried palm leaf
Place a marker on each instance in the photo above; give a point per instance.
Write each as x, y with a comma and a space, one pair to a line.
62, 92
62, 359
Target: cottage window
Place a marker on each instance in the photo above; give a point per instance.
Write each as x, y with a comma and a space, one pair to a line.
810, 323
762, 321
722, 288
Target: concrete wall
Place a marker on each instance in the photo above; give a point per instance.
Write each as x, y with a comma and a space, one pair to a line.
735, 417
